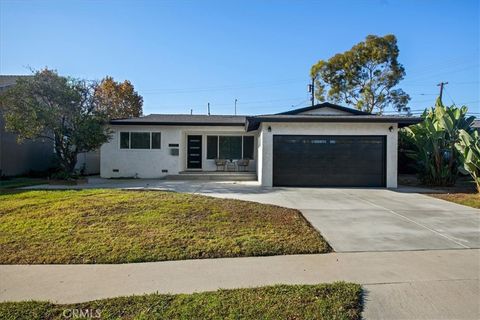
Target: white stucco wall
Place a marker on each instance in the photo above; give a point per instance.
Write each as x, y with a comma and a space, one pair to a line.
265, 143
151, 163
260, 155
88, 162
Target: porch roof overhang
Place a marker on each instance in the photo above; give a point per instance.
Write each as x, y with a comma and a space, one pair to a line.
253, 123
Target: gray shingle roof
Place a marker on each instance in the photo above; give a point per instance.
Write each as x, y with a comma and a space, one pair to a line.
324, 105
184, 119
254, 122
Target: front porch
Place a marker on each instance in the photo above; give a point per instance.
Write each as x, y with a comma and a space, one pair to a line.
214, 175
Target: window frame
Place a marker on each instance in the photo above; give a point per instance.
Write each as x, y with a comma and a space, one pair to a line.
240, 137
120, 140
151, 140
130, 141
216, 147
230, 135
142, 133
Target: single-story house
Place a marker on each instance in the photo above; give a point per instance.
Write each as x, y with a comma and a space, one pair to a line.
321, 145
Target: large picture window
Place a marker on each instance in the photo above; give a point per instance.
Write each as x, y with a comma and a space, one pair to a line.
230, 147
140, 140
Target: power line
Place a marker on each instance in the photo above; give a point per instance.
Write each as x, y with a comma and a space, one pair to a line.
438, 72
448, 94
301, 102
240, 103
221, 88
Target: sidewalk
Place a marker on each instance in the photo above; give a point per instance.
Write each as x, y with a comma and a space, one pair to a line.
418, 284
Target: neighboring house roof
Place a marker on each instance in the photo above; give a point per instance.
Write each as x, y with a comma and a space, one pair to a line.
476, 124
324, 105
253, 122
7, 81
183, 119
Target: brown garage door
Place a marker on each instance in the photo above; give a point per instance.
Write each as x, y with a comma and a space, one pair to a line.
329, 161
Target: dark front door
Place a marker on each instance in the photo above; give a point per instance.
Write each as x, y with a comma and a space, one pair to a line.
329, 161
194, 152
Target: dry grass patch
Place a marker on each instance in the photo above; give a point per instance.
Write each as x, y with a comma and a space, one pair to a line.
467, 199
114, 226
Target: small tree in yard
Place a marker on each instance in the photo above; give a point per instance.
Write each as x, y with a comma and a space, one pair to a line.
61, 109
434, 143
469, 150
365, 76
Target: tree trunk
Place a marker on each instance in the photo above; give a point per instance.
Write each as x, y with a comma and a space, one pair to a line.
71, 162
66, 157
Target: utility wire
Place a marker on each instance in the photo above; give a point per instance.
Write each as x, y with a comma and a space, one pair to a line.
448, 94
438, 72
221, 88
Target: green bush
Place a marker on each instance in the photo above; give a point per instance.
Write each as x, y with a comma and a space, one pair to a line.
469, 150
434, 140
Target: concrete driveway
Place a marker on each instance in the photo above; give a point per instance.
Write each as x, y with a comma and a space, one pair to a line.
351, 220
374, 219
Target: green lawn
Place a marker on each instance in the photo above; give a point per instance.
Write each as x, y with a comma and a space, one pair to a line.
114, 226
467, 199
326, 301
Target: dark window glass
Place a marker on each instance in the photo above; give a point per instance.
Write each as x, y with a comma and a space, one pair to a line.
139, 140
124, 140
212, 142
156, 140
247, 147
230, 147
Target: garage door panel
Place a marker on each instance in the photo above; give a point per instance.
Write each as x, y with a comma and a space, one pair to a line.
329, 160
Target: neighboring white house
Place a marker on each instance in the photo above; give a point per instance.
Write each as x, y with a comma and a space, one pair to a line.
321, 145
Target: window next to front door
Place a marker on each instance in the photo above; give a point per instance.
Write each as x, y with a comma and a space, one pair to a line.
230, 147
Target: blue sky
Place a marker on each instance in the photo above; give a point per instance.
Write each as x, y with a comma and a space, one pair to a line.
180, 55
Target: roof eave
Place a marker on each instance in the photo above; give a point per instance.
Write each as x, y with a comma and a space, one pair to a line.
254, 122
171, 123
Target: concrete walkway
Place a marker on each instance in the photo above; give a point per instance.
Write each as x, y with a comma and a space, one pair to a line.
437, 284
